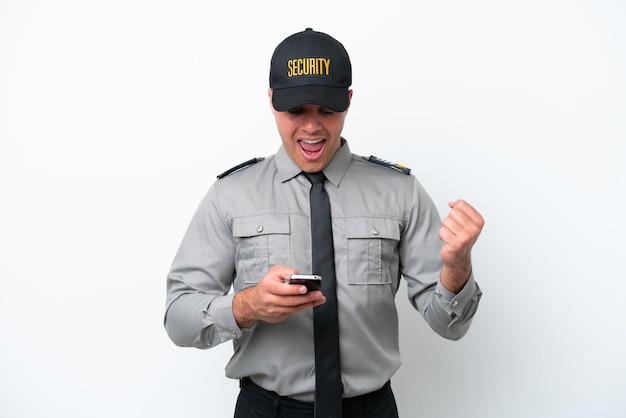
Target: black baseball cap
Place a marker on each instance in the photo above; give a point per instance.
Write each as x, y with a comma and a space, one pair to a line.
310, 67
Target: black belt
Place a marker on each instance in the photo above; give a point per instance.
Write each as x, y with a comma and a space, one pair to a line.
354, 402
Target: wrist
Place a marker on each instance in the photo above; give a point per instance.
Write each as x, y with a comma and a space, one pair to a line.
242, 311
454, 278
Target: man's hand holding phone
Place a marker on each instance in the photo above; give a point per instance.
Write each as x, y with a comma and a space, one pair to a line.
274, 298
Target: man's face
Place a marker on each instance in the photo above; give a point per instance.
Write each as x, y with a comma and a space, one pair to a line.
311, 134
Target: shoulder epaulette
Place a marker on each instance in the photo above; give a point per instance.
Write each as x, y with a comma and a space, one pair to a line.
398, 167
240, 167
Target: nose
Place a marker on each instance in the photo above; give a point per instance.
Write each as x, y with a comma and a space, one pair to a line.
312, 121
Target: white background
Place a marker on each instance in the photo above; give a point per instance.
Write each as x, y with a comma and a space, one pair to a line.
116, 116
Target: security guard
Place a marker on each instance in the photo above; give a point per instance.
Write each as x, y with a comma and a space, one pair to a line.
252, 231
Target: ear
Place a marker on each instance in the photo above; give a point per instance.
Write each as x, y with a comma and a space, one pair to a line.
349, 98
269, 94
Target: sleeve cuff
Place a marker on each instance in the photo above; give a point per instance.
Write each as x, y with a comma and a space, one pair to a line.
455, 304
221, 309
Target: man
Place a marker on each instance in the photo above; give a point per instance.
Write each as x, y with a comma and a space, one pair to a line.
258, 225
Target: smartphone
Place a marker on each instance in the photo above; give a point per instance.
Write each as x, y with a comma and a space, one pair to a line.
311, 281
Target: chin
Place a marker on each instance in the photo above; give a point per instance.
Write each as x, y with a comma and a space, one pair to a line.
312, 166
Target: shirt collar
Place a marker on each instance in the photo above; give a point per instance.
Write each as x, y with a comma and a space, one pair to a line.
334, 171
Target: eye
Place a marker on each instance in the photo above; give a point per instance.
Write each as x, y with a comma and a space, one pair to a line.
295, 110
325, 111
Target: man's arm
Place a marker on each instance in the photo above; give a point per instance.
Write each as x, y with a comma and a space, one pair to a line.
458, 294
436, 263
198, 307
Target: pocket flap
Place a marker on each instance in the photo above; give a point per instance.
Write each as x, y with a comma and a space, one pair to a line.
250, 226
368, 227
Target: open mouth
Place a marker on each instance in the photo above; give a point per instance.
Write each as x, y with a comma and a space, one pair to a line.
312, 148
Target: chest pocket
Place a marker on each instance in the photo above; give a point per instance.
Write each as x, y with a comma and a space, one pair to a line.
372, 249
261, 241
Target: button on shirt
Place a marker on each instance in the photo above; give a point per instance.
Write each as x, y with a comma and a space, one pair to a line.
385, 227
